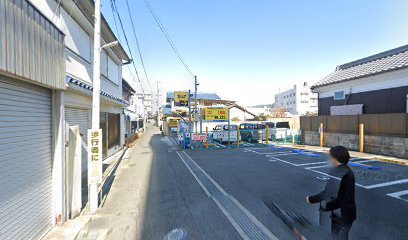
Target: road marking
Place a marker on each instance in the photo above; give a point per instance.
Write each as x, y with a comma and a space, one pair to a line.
252, 151
271, 153
280, 160
328, 175
311, 163
365, 161
398, 195
385, 184
281, 154
317, 167
246, 224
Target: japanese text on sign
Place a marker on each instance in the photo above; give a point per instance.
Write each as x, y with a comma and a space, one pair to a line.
181, 98
215, 114
94, 156
172, 122
199, 137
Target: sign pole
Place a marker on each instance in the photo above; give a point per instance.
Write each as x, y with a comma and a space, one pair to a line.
229, 129
92, 186
189, 115
195, 103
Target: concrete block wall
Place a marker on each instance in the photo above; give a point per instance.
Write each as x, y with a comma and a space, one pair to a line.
389, 146
311, 138
349, 141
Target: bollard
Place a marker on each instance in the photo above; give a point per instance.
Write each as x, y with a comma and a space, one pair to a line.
206, 133
361, 137
238, 136
267, 134
293, 138
321, 134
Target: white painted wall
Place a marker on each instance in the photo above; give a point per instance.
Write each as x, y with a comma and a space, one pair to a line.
79, 48
392, 79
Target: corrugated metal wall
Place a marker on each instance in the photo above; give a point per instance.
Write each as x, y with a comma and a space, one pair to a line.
32, 48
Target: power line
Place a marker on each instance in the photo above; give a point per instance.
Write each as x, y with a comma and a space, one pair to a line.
117, 32
167, 36
137, 43
114, 9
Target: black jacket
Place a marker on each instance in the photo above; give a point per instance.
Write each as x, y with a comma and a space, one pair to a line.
339, 195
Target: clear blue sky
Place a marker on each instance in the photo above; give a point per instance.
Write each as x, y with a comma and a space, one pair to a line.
248, 50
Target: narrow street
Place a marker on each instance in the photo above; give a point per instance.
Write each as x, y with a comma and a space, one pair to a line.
155, 192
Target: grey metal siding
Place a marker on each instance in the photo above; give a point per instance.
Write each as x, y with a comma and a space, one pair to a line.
392, 100
80, 117
32, 48
25, 160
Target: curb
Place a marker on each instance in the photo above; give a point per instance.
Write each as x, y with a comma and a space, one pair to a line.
376, 157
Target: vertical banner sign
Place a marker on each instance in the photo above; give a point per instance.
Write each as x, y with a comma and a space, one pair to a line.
181, 99
215, 114
94, 156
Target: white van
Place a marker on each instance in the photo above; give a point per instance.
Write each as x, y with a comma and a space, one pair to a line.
220, 133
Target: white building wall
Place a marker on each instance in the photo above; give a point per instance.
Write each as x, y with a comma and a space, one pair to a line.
79, 48
387, 80
298, 100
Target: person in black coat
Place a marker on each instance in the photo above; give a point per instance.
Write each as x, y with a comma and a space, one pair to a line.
338, 196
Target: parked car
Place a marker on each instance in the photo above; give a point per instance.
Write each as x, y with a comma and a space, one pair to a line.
252, 132
220, 133
278, 130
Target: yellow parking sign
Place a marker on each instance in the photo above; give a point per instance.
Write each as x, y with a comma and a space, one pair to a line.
181, 98
215, 114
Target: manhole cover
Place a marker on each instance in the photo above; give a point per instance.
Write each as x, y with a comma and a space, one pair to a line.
176, 234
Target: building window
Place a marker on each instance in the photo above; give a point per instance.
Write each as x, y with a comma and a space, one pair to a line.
304, 94
339, 95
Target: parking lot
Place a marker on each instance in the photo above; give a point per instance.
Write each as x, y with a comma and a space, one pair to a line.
256, 176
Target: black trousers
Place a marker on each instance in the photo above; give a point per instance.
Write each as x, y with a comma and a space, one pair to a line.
340, 229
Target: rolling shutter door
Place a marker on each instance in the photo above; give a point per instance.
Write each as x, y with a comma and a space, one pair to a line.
78, 117
25, 160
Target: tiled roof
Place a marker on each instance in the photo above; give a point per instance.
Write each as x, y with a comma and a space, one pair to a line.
204, 96
87, 88
393, 59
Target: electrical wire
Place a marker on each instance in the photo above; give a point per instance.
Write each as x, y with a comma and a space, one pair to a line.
137, 43
120, 40
167, 36
114, 10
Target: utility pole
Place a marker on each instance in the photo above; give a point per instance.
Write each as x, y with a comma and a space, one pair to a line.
95, 163
158, 105
195, 102
93, 187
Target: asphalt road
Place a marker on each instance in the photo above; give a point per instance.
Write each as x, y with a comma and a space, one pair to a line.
260, 177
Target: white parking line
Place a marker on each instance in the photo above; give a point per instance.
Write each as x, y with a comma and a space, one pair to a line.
280, 160
398, 195
311, 163
365, 161
328, 175
385, 184
318, 167
271, 153
281, 154
252, 151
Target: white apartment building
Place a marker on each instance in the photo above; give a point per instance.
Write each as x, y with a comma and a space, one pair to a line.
298, 100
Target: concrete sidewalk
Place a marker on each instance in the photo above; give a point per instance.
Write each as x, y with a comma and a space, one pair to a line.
152, 194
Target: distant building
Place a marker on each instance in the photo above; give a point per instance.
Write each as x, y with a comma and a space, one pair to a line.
298, 101
371, 85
